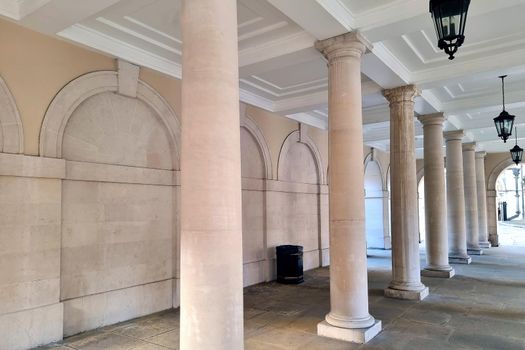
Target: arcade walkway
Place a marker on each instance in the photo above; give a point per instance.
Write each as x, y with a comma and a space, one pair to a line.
482, 307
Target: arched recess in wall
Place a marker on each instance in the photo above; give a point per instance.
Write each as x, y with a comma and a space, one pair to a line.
89, 85
119, 198
11, 130
375, 201
255, 168
295, 211
297, 149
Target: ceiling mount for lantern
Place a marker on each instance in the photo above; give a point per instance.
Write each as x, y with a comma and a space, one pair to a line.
505, 121
450, 17
516, 152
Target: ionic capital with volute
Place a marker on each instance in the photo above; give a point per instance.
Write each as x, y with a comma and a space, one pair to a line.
401, 94
454, 135
348, 45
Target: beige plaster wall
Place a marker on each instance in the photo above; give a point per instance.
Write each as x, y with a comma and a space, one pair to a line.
35, 67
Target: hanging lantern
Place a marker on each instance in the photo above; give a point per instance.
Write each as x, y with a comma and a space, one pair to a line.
516, 152
505, 121
450, 17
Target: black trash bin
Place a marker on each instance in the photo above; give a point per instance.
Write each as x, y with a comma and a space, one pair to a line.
289, 264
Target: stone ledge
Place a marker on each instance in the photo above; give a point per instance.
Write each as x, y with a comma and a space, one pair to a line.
354, 335
438, 273
99, 172
459, 260
31, 166
406, 294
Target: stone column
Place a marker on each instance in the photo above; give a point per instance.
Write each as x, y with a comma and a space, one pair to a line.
492, 218
482, 200
349, 318
471, 198
406, 278
457, 231
435, 198
211, 217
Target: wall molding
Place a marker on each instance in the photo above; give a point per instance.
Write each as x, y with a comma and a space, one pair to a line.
11, 130
98, 172
495, 172
247, 123
31, 166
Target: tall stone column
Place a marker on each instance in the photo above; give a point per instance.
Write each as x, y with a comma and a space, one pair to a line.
349, 318
435, 198
457, 230
471, 198
406, 278
482, 200
492, 218
211, 217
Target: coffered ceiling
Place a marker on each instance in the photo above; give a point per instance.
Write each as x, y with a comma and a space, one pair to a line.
281, 71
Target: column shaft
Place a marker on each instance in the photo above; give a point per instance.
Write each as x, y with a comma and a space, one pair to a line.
482, 200
211, 218
406, 279
471, 198
348, 265
457, 231
435, 198
492, 218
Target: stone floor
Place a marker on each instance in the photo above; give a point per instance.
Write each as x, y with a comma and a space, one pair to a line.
482, 307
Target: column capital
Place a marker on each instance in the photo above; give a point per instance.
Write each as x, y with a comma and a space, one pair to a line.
432, 119
351, 44
399, 94
481, 155
454, 135
470, 146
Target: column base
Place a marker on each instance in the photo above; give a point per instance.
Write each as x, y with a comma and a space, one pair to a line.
438, 273
459, 260
354, 335
406, 294
474, 251
484, 245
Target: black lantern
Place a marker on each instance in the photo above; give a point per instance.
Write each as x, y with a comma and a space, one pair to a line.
516, 152
450, 17
505, 121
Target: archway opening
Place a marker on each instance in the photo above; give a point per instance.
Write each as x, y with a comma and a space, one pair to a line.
374, 206
421, 209
510, 206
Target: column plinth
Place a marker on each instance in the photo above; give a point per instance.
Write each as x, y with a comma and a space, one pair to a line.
435, 198
406, 275
482, 200
471, 198
211, 218
349, 318
457, 231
